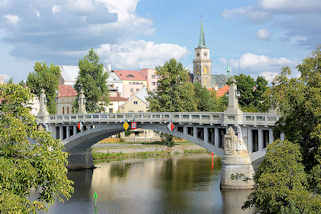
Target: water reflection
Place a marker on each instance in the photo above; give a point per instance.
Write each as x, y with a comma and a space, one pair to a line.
176, 185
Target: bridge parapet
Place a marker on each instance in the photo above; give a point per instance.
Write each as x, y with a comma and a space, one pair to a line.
250, 119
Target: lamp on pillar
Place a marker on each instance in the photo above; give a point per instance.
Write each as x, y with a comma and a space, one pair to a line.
43, 112
82, 103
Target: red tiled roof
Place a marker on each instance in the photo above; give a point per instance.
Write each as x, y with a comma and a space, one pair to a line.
131, 75
118, 98
66, 91
222, 91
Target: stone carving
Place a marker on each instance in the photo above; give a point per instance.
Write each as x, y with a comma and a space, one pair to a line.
43, 113
236, 163
82, 103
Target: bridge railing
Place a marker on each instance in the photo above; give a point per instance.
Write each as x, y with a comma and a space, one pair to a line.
266, 119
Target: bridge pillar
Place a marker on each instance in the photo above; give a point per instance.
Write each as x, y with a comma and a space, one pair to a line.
75, 130
282, 136
271, 138
216, 136
260, 138
237, 170
61, 132
195, 131
68, 131
249, 140
205, 134
80, 160
185, 130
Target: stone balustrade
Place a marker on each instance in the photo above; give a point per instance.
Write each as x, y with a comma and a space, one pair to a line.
250, 119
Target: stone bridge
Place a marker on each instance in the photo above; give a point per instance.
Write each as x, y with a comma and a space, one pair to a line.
206, 129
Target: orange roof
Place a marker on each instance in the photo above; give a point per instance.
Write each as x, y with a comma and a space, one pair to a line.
66, 91
131, 75
118, 98
222, 91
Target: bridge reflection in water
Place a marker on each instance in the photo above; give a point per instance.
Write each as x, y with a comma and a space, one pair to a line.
186, 185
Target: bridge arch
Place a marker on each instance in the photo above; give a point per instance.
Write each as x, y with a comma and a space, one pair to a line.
78, 145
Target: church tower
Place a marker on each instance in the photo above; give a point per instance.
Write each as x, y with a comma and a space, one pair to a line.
202, 64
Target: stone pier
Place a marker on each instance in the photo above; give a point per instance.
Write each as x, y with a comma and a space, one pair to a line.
237, 170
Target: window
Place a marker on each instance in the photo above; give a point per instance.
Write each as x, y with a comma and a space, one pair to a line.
137, 89
110, 110
153, 76
63, 110
205, 54
131, 90
153, 83
67, 109
135, 102
198, 54
130, 76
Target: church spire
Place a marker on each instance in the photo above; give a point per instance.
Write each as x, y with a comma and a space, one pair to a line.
201, 43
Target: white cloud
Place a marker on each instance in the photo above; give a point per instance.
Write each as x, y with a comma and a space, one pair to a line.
297, 19
12, 19
263, 34
291, 5
249, 61
55, 9
37, 13
139, 54
269, 76
250, 12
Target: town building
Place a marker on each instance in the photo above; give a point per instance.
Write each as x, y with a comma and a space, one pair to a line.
151, 78
132, 81
66, 98
138, 103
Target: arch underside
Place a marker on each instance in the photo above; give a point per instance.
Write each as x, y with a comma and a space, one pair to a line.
81, 142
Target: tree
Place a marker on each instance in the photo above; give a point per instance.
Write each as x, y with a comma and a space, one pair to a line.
252, 92
281, 183
92, 80
46, 78
33, 170
299, 102
174, 93
204, 100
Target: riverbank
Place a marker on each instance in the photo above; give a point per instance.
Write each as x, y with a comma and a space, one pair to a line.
121, 151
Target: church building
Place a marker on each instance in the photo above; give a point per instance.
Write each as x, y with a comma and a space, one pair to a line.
202, 64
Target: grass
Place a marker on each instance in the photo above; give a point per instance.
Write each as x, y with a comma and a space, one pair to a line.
107, 157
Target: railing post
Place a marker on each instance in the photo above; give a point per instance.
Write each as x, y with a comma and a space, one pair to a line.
61, 132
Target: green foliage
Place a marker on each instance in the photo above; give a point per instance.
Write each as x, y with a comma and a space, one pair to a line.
174, 93
281, 182
207, 101
299, 100
33, 170
92, 80
289, 179
252, 93
46, 78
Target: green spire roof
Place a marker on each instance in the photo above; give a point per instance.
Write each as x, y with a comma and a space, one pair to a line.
201, 43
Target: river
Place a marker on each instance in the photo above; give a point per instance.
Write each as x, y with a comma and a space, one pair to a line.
178, 185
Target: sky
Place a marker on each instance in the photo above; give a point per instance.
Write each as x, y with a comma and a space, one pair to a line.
256, 37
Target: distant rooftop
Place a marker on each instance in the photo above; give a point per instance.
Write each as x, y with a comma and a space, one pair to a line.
66, 91
131, 75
